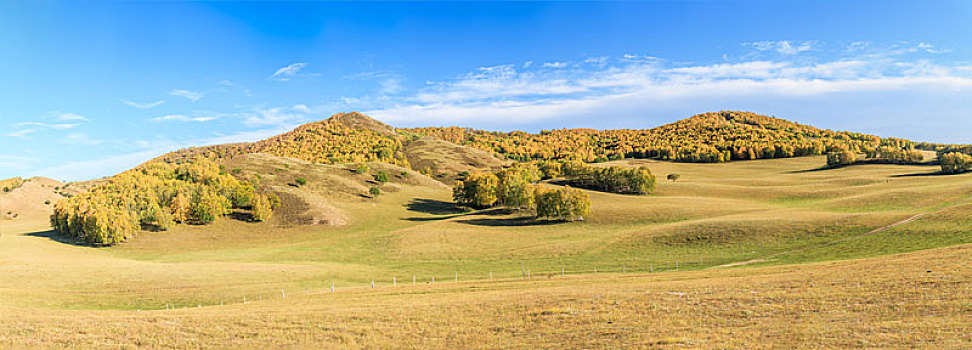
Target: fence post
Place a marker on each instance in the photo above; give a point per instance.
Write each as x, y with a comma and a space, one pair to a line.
394, 281
244, 300
624, 269
491, 275
595, 270
457, 277
651, 268
562, 271
413, 279
433, 278
528, 275
676, 266
372, 284
282, 294
332, 287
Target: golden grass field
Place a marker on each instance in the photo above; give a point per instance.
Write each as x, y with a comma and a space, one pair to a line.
819, 263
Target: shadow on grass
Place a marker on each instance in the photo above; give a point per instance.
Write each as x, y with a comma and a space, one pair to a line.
432, 206
517, 221
937, 173
57, 237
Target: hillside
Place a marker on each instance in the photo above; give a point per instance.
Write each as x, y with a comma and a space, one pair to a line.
445, 161
706, 138
29, 199
342, 138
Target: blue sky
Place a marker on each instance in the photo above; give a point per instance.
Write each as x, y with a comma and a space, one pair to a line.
91, 89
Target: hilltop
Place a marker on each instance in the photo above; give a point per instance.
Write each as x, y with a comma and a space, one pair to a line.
704, 138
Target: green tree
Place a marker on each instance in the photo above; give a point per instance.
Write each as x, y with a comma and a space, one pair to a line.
374, 191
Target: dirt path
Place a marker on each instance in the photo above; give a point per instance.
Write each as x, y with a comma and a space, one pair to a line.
825, 244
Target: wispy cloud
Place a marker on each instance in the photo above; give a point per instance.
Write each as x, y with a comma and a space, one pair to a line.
150, 105
555, 64
288, 72
191, 95
785, 47
56, 126
184, 118
630, 86
20, 133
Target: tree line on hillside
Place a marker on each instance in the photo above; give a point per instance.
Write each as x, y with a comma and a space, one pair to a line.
705, 138
156, 196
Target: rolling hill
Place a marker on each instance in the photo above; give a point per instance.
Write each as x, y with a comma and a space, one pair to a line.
763, 253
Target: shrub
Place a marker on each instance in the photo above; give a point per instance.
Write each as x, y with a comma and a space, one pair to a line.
47, 202
674, 177
381, 177
236, 171
374, 191
404, 173
300, 181
361, 168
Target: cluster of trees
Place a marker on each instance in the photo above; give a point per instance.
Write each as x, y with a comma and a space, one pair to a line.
955, 162
841, 157
157, 196
894, 155
707, 138
516, 188
615, 179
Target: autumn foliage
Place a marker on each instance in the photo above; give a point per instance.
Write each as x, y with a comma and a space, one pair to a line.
156, 196
705, 138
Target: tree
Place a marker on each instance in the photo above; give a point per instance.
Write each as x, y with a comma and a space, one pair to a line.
262, 209
514, 189
476, 191
300, 181
180, 207
567, 204
674, 177
374, 191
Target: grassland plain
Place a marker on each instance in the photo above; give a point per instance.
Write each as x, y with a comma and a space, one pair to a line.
775, 212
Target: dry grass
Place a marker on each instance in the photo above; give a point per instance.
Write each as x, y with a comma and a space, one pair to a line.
777, 212
915, 300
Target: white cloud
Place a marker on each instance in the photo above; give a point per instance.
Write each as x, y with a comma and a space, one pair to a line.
785, 47
183, 118
289, 71
156, 103
191, 95
639, 87
555, 64
56, 126
225, 82
20, 133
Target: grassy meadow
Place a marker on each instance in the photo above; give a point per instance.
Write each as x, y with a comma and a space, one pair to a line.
860, 256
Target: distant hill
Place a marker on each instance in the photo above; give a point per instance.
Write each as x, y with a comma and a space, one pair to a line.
708, 137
